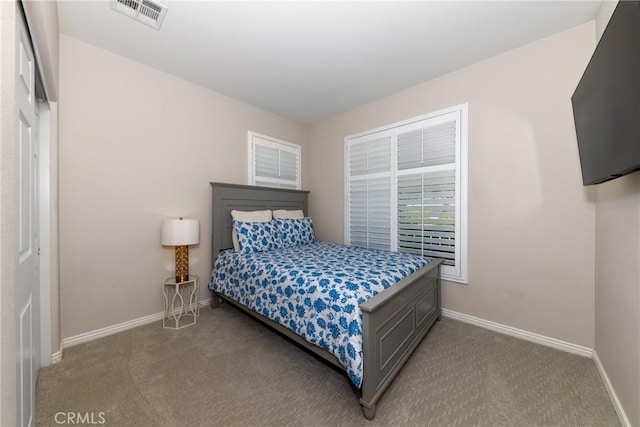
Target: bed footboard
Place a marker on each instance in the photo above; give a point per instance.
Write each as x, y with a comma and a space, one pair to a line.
394, 322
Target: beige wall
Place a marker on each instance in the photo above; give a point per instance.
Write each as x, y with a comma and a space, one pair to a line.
617, 288
617, 278
138, 145
531, 232
8, 212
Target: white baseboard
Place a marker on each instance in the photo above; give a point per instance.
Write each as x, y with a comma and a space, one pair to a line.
622, 415
57, 356
519, 333
110, 330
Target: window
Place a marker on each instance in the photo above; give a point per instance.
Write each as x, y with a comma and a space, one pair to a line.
273, 163
406, 189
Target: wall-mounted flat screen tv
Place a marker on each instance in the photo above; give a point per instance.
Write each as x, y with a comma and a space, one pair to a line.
606, 103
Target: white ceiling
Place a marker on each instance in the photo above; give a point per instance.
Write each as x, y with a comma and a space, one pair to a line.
311, 60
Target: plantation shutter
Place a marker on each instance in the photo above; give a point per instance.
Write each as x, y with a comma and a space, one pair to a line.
426, 214
274, 164
267, 162
369, 210
427, 189
427, 146
406, 189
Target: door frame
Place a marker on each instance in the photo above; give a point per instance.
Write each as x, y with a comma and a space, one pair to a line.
45, 205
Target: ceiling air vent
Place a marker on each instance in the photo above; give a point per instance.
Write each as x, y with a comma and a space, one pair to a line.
148, 12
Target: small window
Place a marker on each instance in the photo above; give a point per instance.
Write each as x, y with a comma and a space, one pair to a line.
273, 162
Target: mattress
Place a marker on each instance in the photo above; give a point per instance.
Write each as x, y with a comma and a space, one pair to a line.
314, 290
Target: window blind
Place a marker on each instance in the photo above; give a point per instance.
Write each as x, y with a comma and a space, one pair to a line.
406, 189
370, 192
428, 145
370, 156
426, 193
370, 213
267, 162
273, 163
426, 214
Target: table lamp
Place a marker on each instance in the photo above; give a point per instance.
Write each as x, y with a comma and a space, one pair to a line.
181, 233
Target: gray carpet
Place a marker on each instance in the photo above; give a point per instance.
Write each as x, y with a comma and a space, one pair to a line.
231, 370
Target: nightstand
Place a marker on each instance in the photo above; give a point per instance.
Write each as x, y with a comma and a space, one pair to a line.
181, 305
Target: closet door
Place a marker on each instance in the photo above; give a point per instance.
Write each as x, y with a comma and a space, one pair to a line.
28, 286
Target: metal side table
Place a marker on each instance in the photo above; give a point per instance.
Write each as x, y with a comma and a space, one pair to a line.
181, 305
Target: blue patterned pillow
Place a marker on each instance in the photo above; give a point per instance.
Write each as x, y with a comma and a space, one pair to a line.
294, 232
255, 236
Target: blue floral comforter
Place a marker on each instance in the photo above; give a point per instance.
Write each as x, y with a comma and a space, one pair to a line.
315, 290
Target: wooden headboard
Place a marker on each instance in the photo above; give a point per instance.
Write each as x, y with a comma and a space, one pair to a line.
227, 197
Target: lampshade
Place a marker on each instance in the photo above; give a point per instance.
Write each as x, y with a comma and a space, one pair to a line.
178, 232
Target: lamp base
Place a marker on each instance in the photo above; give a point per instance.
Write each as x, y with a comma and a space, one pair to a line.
182, 263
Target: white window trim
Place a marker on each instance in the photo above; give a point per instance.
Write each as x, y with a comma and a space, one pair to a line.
461, 270
277, 144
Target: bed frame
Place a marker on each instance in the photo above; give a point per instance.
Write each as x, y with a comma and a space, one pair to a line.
394, 322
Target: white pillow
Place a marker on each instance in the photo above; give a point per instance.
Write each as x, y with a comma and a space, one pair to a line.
284, 214
244, 216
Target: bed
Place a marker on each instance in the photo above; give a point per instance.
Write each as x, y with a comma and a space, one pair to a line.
393, 321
